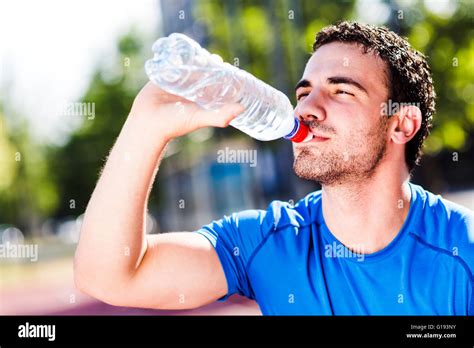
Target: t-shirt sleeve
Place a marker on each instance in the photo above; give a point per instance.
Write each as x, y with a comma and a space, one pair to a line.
235, 238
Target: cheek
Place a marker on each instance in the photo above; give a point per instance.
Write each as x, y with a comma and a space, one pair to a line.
351, 132
343, 116
347, 123
353, 123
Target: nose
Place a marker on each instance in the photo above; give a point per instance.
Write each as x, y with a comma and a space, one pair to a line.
310, 108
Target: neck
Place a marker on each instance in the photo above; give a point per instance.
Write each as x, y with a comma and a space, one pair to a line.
367, 215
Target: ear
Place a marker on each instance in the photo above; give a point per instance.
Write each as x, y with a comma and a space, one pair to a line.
405, 124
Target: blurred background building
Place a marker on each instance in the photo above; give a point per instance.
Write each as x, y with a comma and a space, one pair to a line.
92, 54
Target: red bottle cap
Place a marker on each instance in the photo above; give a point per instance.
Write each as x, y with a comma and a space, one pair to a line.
301, 133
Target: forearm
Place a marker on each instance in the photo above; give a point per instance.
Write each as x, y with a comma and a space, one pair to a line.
112, 241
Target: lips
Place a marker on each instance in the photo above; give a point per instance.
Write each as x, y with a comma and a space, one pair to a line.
318, 137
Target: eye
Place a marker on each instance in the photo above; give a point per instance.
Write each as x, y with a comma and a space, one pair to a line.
340, 91
301, 95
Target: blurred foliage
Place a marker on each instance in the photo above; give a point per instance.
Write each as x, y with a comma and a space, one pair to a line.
270, 39
27, 190
449, 45
76, 166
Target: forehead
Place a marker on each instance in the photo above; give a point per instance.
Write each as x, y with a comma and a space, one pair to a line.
346, 59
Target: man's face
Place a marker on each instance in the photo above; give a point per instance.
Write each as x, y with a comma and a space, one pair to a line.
339, 96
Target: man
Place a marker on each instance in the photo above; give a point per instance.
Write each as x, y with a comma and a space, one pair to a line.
368, 243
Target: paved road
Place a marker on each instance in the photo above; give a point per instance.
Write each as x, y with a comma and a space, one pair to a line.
63, 299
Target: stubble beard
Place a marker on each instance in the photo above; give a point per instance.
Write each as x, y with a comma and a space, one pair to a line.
356, 162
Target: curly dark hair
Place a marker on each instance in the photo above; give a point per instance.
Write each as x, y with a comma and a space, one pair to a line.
408, 76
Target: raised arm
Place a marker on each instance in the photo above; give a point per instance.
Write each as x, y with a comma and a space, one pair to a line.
115, 261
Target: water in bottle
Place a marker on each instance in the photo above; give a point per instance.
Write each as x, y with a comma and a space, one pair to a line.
182, 67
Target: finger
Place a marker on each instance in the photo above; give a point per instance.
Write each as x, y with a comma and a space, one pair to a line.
222, 116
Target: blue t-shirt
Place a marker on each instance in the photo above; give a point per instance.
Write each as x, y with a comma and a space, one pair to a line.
287, 260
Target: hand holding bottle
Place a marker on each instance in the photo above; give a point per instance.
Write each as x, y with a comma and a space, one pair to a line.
174, 116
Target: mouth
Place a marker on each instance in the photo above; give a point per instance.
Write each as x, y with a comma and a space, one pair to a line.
318, 137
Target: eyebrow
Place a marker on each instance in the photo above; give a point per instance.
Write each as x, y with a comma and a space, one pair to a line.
346, 80
302, 83
334, 81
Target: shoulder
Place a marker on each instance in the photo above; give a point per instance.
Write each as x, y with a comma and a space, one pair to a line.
248, 230
444, 224
443, 213
257, 225
281, 214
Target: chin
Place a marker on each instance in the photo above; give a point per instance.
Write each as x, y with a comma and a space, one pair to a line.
305, 170
312, 168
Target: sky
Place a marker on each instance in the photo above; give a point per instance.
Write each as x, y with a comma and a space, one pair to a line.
49, 49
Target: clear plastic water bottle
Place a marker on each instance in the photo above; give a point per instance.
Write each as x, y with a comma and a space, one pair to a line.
182, 67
